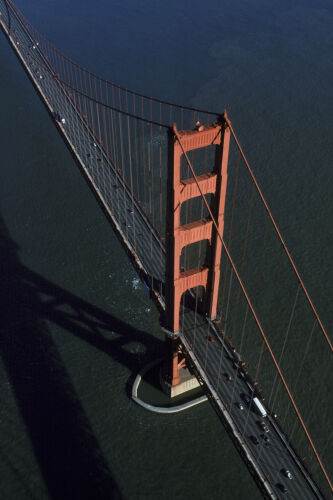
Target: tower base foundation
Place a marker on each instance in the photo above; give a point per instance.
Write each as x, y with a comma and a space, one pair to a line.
187, 382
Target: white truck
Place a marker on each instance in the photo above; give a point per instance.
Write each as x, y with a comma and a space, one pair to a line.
259, 407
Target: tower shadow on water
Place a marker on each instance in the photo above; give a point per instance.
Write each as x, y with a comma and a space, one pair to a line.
69, 457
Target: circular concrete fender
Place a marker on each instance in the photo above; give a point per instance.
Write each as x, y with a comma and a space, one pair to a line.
160, 409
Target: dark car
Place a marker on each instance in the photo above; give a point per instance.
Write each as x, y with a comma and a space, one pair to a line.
246, 398
266, 439
254, 440
282, 487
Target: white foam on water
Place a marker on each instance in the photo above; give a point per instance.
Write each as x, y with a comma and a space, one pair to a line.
135, 283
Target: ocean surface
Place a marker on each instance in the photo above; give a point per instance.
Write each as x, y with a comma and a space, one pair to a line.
76, 325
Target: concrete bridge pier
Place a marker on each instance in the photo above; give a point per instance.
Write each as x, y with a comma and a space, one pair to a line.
175, 376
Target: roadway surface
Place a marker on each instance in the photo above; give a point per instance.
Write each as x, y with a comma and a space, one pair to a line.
212, 359
217, 361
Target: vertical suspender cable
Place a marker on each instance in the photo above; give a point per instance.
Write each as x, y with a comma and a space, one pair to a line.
115, 128
131, 181
144, 158
137, 191
161, 197
123, 166
301, 366
285, 341
243, 257
108, 190
257, 321
280, 236
151, 167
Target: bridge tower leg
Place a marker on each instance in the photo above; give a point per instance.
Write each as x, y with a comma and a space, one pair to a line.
179, 236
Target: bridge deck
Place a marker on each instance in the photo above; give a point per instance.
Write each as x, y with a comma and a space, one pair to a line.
113, 193
215, 359
212, 359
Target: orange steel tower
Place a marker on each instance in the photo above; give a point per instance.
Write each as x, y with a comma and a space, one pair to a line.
179, 236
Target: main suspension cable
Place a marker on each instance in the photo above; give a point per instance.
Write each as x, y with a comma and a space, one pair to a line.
250, 303
278, 233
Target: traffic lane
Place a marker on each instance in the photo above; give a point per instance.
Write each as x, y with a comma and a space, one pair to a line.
276, 457
271, 458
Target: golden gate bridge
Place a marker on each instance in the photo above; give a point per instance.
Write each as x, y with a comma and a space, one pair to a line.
181, 195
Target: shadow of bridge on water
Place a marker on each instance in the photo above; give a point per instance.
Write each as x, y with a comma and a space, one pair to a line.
70, 459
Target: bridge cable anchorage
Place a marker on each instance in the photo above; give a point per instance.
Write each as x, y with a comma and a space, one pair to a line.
249, 301
279, 234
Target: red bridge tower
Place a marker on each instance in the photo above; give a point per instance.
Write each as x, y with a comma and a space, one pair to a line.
179, 236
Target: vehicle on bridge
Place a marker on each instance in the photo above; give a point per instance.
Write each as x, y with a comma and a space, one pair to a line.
59, 117
246, 399
263, 426
254, 440
282, 487
259, 407
266, 439
287, 473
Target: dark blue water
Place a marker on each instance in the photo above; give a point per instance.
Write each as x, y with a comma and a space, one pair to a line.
76, 324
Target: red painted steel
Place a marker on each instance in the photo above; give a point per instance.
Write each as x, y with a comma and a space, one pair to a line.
179, 236
293, 265
195, 231
220, 236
